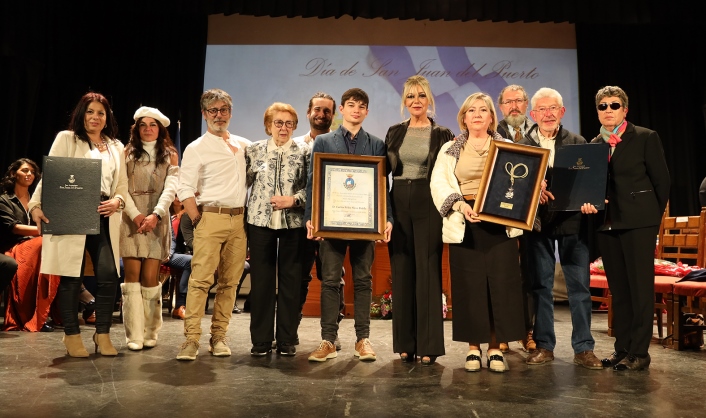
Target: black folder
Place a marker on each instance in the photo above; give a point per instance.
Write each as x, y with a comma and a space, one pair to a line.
579, 176
71, 193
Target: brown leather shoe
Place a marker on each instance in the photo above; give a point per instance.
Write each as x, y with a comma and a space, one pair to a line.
588, 360
179, 312
528, 344
539, 356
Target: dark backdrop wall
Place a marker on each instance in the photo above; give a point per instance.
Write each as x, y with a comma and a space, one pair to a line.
152, 52
53, 53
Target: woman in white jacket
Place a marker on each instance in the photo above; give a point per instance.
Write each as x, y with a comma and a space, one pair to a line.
484, 262
91, 135
151, 171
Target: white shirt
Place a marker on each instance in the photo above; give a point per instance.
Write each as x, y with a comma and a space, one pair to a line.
210, 168
547, 143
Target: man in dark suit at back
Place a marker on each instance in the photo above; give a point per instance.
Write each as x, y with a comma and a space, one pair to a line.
513, 103
349, 138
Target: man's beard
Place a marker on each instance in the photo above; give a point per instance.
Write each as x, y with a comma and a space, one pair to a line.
322, 125
515, 120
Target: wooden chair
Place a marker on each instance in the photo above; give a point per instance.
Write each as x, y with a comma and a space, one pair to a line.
684, 239
600, 282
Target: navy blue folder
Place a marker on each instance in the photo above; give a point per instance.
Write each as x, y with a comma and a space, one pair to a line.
579, 176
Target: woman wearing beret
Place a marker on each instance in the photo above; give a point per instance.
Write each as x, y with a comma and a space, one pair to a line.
151, 164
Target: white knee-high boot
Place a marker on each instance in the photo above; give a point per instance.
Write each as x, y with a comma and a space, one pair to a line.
133, 315
152, 301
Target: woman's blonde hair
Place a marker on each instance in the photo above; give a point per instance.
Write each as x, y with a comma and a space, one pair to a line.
414, 81
493, 127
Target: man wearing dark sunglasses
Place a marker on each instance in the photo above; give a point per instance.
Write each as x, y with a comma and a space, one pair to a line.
638, 191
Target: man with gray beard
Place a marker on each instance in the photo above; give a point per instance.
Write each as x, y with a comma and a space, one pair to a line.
513, 102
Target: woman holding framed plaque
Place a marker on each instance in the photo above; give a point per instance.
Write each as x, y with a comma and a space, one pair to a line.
277, 170
416, 247
484, 261
151, 171
91, 135
31, 293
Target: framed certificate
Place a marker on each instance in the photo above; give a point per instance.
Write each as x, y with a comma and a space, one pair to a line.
511, 183
71, 193
579, 176
348, 196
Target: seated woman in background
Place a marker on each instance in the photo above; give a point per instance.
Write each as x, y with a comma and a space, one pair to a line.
152, 168
179, 258
31, 293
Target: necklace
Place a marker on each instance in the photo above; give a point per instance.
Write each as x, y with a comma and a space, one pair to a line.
100, 145
479, 147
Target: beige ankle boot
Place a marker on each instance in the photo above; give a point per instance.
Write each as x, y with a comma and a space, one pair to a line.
152, 302
102, 342
74, 346
133, 315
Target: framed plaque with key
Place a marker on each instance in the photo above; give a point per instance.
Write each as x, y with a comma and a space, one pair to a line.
511, 183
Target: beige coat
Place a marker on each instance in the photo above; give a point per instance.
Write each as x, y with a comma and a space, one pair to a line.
63, 254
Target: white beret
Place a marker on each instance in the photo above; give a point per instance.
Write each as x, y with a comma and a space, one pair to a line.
153, 113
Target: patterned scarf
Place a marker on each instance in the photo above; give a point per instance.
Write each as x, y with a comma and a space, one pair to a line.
613, 137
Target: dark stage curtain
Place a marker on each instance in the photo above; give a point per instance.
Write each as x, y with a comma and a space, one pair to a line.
54, 52
657, 67
152, 52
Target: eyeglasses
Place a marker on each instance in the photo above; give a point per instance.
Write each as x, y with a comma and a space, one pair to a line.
289, 124
551, 109
604, 106
516, 101
225, 111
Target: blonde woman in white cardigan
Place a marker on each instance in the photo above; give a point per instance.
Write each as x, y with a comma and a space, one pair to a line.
484, 261
145, 235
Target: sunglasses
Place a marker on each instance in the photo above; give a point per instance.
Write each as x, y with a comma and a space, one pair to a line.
604, 106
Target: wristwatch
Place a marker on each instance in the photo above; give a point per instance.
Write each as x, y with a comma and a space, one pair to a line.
157, 215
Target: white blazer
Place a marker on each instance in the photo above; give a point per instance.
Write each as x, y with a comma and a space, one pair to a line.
63, 254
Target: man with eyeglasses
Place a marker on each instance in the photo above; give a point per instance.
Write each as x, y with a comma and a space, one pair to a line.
320, 113
213, 192
513, 102
562, 231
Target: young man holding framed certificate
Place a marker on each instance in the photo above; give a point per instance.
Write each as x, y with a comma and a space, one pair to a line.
349, 138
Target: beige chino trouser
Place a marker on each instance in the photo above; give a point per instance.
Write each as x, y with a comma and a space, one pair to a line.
219, 243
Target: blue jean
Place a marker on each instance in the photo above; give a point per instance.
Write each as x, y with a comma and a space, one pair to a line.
332, 253
574, 259
182, 262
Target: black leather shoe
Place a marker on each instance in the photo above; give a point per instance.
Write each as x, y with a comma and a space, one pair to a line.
46, 328
633, 362
236, 310
614, 358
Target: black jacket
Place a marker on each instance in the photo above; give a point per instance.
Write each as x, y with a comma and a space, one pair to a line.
11, 213
638, 180
395, 135
556, 223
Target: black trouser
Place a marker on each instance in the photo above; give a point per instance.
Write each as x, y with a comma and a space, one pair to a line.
8, 268
275, 264
415, 259
101, 253
628, 259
